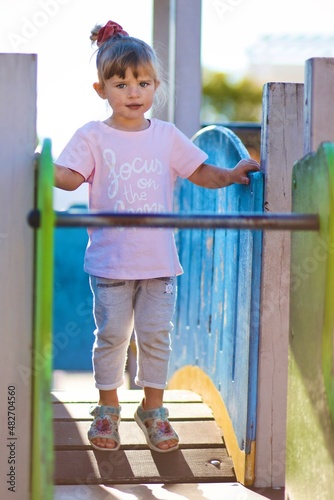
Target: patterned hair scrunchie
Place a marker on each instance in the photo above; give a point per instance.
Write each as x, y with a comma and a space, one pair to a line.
109, 30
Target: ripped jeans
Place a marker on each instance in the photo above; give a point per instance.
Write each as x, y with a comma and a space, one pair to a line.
121, 306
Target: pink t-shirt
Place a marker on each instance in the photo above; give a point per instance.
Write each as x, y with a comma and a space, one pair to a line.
131, 172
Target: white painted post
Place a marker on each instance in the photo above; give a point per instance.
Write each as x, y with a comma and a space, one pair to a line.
319, 99
281, 146
188, 77
17, 144
183, 54
161, 37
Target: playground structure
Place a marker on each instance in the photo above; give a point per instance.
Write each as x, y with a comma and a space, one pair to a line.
276, 399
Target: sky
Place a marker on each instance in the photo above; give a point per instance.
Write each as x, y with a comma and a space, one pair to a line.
58, 32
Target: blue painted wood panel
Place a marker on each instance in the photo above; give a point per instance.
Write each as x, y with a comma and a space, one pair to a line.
217, 316
73, 323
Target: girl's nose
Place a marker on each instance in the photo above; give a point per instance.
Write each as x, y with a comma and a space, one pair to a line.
133, 91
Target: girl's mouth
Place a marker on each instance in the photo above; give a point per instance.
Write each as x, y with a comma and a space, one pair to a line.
134, 106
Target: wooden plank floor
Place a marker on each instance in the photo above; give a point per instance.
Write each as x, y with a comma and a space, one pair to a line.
202, 457
148, 491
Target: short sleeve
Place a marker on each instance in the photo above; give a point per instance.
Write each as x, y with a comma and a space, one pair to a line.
77, 155
186, 156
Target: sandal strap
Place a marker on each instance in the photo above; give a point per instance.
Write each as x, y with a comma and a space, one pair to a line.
161, 413
102, 410
105, 425
159, 429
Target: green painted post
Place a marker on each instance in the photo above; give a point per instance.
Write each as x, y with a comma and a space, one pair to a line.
328, 328
42, 429
310, 423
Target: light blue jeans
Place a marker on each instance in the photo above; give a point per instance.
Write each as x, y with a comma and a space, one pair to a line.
121, 306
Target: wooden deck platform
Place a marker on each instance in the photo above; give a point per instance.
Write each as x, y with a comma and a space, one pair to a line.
202, 456
200, 469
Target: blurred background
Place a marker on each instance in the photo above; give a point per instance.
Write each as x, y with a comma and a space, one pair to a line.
244, 44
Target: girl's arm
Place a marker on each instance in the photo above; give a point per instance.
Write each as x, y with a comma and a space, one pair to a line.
67, 179
209, 176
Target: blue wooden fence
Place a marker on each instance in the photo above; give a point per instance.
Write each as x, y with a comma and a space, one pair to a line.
73, 323
217, 317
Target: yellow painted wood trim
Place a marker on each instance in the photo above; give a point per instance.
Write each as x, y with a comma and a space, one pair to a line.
194, 379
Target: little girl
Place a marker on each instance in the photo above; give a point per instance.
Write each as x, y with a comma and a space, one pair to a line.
131, 164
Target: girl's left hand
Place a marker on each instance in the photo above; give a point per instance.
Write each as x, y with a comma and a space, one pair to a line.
212, 177
240, 171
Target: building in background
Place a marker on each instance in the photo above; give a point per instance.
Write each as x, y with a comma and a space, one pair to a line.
273, 58
281, 58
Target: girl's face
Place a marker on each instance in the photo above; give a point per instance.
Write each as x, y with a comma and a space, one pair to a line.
129, 98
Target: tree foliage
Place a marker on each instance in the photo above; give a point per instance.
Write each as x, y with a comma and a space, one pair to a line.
226, 100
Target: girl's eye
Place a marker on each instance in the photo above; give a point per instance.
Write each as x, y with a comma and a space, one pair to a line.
143, 84
121, 86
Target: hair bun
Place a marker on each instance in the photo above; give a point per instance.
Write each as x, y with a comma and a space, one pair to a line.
95, 33
101, 34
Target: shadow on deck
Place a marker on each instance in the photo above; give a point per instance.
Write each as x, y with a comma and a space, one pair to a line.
202, 455
200, 469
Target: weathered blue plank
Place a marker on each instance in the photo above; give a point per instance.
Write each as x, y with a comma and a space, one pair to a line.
217, 319
258, 201
73, 323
